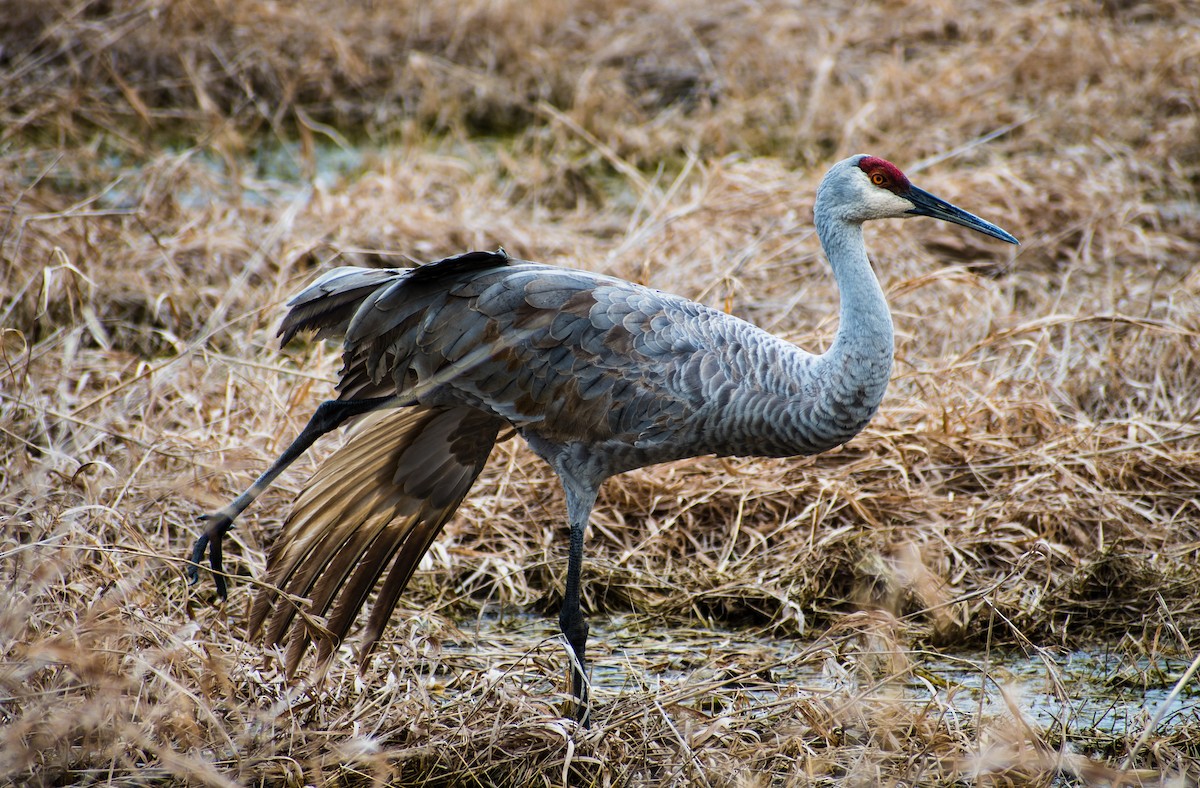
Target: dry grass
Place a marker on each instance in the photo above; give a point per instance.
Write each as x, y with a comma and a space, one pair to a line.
1032, 481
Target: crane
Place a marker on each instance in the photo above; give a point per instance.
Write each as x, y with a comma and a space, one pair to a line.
597, 374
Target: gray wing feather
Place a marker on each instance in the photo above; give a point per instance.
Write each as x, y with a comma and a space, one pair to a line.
329, 303
574, 355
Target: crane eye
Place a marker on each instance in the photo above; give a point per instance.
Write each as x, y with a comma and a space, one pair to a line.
879, 179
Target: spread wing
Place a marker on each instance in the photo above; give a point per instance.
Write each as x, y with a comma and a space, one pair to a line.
378, 502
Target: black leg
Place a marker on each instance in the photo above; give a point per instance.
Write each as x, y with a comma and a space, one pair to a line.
328, 417
570, 619
575, 628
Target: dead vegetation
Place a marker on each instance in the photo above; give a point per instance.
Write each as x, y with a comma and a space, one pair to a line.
171, 174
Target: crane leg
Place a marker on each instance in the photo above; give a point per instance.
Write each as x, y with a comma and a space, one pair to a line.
328, 417
570, 619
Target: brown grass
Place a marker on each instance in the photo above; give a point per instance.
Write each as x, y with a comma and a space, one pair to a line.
1032, 482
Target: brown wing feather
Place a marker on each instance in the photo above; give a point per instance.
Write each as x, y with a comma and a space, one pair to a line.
380, 500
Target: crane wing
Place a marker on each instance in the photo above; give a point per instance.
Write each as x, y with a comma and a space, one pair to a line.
572, 354
380, 500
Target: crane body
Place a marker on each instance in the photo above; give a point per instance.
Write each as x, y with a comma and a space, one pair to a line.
597, 374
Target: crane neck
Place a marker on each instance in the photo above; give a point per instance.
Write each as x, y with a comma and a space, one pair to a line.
864, 313
861, 354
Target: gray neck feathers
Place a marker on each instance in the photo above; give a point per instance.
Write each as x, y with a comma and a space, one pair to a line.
856, 369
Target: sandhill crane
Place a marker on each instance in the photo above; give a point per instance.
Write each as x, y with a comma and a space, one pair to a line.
598, 375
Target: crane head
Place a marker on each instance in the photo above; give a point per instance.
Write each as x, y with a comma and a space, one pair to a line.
874, 188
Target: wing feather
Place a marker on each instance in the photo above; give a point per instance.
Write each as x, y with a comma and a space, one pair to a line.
329, 303
380, 500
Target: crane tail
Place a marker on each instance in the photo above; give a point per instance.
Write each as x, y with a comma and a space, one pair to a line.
328, 303
377, 502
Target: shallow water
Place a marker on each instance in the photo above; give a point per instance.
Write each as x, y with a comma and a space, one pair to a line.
274, 174
1078, 691
1097, 691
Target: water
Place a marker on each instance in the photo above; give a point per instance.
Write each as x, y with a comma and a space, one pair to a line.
278, 173
1082, 691
1092, 692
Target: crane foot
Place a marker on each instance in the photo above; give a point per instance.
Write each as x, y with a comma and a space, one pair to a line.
212, 540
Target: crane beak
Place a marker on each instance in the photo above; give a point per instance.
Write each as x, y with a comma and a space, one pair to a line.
925, 204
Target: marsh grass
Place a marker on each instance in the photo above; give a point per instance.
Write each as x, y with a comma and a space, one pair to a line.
1031, 483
